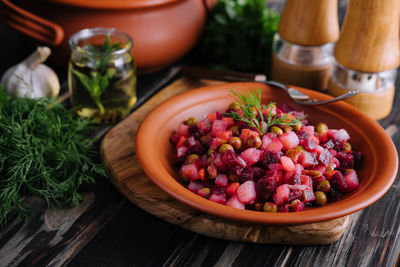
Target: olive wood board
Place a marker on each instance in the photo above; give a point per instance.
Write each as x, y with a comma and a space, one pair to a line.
119, 157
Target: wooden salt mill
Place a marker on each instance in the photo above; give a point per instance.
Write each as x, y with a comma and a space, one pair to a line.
367, 55
303, 46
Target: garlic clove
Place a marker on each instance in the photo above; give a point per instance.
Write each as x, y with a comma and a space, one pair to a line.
31, 78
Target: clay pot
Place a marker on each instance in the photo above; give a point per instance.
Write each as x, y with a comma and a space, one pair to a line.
163, 30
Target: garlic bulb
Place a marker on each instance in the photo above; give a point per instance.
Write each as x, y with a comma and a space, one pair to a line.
31, 78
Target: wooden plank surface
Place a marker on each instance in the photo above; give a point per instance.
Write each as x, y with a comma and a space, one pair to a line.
110, 231
119, 157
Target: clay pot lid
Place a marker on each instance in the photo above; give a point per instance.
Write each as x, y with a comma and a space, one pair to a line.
113, 4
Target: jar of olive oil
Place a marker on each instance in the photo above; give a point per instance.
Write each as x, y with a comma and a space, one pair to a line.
101, 74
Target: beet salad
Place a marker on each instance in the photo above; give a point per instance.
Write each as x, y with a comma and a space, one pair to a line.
265, 158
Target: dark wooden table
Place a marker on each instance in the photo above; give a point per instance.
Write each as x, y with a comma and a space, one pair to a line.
107, 230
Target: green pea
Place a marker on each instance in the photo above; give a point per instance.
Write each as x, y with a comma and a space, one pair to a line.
270, 207
276, 130
191, 121
320, 198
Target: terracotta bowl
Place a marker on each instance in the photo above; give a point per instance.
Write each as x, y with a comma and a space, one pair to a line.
155, 152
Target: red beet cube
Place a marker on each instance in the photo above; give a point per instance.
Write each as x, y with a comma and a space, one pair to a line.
289, 140
251, 156
235, 203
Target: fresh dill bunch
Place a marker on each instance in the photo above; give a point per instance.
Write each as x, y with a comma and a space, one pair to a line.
44, 152
249, 102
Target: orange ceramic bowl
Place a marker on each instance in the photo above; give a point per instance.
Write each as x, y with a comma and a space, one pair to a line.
376, 175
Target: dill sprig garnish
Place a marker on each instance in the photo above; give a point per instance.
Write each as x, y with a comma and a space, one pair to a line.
250, 102
44, 152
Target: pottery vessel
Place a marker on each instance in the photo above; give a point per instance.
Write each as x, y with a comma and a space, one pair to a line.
163, 30
155, 152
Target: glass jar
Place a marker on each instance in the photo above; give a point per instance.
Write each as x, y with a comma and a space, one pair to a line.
102, 74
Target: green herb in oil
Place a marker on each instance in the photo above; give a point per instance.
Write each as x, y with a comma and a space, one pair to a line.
98, 80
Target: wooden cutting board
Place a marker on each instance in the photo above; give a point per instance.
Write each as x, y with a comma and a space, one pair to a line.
119, 157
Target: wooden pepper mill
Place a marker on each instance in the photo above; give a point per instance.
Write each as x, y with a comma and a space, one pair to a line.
367, 55
303, 46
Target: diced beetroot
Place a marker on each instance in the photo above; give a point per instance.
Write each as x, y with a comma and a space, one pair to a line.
218, 126
333, 195
293, 177
320, 168
270, 157
351, 180
244, 135
202, 162
310, 143
251, 156
335, 163
287, 164
333, 144
308, 196
221, 199
204, 126
216, 142
299, 206
281, 195
308, 129
345, 160
231, 190
271, 143
183, 130
235, 203
275, 166
339, 135
318, 149
225, 135
190, 172
265, 186
247, 192
299, 187
307, 159
181, 151
283, 208
219, 162
251, 173
279, 177
337, 180
212, 117
289, 140
191, 141
181, 141
195, 186
232, 160
322, 137
295, 194
221, 180
306, 180
175, 137
194, 131
333, 152
267, 110
325, 157
197, 149
229, 120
